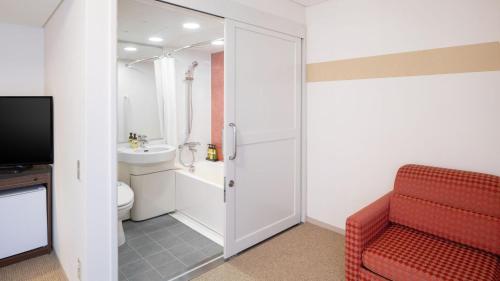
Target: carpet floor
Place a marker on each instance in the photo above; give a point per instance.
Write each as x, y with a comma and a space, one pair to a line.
43, 268
305, 252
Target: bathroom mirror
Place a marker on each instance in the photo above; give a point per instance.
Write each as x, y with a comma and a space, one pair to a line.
138, 108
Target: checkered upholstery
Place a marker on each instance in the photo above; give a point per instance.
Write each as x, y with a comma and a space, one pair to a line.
366, 275
445, 205
361, 229
402, 253
475, 192
438, 201
458, 225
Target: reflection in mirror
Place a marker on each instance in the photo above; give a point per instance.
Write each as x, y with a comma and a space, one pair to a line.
138, 109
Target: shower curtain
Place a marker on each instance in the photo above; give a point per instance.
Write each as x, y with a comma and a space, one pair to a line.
167, 104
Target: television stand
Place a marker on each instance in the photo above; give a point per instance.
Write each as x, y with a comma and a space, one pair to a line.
37, 175
14, 169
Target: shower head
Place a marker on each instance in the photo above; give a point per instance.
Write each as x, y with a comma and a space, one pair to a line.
190, 71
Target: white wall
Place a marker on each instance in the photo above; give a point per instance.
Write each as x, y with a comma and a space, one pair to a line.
361, 131
278, 15
21, 60
281, 8
64, 72
80, 67
137, 101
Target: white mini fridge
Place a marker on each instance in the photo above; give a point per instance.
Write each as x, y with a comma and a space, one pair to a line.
23, 220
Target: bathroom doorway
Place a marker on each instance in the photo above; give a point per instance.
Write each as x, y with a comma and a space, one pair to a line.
170, 107
211, 131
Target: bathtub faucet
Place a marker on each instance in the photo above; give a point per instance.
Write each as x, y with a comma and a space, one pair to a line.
191, 145
192, 148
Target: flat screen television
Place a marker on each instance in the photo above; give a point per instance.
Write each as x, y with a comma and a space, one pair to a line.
26, 131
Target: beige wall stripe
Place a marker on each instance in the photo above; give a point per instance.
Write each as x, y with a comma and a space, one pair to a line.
460, 59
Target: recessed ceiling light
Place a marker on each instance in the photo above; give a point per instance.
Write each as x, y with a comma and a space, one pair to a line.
155, 39
130, 49
218, 42
191, 25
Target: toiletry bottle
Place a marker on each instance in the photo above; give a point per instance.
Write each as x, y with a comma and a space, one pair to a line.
130, 139
209, 152
214, 151
135, 142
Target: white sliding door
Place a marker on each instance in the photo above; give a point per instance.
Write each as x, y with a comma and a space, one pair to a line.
263, 116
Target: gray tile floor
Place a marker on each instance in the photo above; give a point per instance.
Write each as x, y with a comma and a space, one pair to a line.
162, 248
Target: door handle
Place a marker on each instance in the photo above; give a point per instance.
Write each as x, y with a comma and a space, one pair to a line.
235, 144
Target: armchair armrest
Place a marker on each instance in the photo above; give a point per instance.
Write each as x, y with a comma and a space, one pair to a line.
361, 228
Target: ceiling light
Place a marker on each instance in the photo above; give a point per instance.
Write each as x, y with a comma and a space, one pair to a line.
130, 49
218, 42
191, 25
155, 39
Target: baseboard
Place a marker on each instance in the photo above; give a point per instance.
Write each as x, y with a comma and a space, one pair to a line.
325, 225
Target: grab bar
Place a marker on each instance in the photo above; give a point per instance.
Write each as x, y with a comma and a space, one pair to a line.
235, 144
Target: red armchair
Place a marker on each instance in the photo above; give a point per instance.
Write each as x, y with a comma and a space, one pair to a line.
437, 224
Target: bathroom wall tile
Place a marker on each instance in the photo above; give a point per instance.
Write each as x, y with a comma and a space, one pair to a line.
135, 268
160, 259
217, 87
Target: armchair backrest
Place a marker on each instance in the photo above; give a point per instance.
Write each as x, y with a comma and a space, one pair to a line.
456, 205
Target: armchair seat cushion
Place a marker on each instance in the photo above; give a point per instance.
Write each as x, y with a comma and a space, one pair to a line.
402, 253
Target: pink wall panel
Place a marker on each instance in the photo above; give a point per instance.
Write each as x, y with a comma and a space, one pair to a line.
218, 101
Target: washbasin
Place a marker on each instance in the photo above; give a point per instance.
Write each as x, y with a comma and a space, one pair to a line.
151, 154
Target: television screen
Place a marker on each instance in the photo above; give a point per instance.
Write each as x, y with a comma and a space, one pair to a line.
26, 131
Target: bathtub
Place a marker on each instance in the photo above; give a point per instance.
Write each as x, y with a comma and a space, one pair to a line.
199, 195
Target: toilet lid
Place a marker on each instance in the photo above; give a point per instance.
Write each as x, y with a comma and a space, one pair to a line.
125, 194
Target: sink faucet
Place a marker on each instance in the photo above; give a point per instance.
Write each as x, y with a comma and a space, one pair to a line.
142, 139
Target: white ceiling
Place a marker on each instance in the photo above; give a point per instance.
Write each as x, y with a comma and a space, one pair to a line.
308, 2
27, 12
140, 19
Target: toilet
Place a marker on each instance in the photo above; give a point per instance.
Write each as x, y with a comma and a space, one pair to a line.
125, 203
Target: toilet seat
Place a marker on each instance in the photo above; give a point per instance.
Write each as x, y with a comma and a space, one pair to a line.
125, 195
